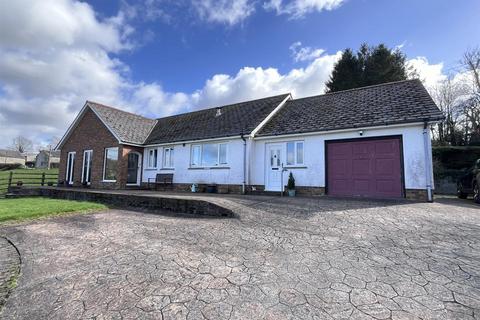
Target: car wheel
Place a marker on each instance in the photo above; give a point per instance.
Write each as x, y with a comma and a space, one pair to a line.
460, 193
476, 193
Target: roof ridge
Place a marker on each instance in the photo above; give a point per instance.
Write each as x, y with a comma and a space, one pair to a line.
222, 106
117, 109
359, 88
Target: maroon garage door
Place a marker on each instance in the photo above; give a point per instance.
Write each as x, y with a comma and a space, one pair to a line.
369, 168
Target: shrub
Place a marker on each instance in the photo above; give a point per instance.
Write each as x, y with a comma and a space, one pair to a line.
291, 182
451, 162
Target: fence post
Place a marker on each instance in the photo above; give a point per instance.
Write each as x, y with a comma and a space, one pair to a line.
43, 179
10, 177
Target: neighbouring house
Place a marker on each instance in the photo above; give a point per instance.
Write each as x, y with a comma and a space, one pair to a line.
11, 157
47, 159
371, 142
30, 158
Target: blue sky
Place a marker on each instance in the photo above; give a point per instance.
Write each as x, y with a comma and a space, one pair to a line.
163, 57
185, 52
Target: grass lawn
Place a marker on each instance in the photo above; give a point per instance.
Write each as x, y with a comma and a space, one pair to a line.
31, 208
27, 176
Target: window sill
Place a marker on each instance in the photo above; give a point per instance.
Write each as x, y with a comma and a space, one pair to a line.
151, 169
295, 167
207, 168
167, 169
109, 181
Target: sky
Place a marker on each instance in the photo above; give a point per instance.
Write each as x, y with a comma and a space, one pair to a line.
164, 57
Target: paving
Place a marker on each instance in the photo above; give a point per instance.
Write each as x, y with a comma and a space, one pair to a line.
283, 258
9, 268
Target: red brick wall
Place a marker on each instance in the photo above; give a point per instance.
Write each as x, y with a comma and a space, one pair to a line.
91, 134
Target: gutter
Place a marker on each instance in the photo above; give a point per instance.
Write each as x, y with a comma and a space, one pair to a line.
428, 168
346, 129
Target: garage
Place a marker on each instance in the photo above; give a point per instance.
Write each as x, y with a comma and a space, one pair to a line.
368, 167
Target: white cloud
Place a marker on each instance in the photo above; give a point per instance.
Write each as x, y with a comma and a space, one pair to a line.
51, 23
56, 60
249, 83
228, 12
300, 53
299, 8
430, 74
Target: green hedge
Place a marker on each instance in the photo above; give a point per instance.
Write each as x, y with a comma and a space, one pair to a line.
452, 161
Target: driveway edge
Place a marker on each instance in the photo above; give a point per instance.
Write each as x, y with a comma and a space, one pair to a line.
10, 262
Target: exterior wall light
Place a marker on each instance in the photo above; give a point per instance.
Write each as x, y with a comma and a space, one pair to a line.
360, 132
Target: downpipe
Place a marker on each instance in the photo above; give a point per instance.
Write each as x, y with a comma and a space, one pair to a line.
244, 162
428, 169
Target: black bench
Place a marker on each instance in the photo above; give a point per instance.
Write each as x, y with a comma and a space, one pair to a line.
162, 179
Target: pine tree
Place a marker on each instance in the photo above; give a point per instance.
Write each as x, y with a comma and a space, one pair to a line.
371, 65
346, 74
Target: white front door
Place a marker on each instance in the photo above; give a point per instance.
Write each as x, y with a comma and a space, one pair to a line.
274, 167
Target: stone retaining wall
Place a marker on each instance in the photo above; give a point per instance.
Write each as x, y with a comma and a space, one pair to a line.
182, 205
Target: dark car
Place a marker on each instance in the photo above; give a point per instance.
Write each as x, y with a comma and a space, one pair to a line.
469, 183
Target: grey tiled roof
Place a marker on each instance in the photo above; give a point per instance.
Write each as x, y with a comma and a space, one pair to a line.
391, 103
129, 127
205, 124
11, 154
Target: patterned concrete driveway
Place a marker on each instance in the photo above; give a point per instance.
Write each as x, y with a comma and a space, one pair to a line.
282, 259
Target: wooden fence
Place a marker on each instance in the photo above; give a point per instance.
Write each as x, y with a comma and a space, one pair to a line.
26, 179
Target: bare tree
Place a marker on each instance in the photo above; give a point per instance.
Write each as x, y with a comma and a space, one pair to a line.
471, 63
22, 144
447, 96
471, 106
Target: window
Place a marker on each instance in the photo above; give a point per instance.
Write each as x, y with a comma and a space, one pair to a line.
168, 157
152, 155
87, 166
196, 155
70, 164
209, 155
110, 165
294, 153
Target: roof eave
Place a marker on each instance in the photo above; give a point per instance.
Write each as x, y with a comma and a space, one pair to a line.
350, 128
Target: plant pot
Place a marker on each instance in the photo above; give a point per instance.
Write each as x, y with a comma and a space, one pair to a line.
19, 183
291, 193
50, 184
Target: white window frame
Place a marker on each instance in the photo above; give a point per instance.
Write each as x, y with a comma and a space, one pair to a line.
70, 167
151, 152
295, 153
171, 158
105, 163
89, 169
217, 164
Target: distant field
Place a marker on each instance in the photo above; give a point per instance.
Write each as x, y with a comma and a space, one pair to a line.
27, 176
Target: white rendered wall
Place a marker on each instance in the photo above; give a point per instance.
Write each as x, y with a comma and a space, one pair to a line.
183, 173
314, 156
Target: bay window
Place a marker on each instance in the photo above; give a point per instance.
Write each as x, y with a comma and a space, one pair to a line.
209, 155
110, 164
295, 153
168, 157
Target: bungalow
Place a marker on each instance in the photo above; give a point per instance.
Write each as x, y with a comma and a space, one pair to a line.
371, 142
